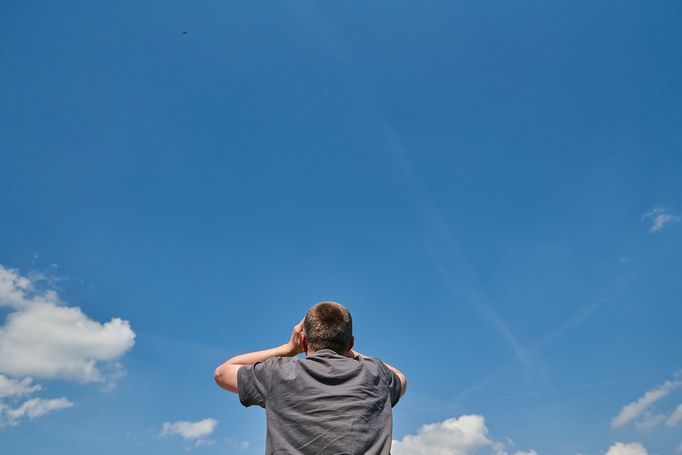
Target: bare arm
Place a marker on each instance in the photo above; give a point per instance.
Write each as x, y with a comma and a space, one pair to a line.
226, 374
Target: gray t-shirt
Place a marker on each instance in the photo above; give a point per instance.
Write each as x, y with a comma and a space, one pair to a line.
324, 404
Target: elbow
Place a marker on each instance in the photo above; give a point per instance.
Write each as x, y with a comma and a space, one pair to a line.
217, 376
226, 377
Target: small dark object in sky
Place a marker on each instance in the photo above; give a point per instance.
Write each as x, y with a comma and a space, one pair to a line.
184, 33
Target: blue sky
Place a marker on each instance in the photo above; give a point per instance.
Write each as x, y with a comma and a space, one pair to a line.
493, 188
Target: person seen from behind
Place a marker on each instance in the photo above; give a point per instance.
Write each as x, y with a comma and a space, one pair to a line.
332, 401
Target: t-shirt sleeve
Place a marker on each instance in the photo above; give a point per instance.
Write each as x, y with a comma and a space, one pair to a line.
253, 383
394, 384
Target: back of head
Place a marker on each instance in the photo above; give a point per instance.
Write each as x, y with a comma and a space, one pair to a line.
328, 325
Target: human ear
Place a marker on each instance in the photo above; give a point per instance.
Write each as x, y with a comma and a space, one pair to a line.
304, 343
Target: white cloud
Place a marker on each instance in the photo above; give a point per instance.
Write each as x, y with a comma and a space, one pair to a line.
35, 407
42, 337
12, 390
13, 288
17, 388
194, 431
450, 437
458, 436
636, 408
659, 219
675, 417
649, 421
632, 448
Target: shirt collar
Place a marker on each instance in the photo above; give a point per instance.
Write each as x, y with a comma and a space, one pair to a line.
325, 353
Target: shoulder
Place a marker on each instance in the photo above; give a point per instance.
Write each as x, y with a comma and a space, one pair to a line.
370, 360
279, 361
373, 363
281, 366
270, 366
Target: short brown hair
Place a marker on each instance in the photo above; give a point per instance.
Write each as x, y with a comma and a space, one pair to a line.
328, 325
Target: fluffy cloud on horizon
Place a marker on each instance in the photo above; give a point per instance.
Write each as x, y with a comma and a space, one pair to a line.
631, 448
43, 337
192, 431
454, 436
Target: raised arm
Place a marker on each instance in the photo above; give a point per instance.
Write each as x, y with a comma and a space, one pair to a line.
226, 374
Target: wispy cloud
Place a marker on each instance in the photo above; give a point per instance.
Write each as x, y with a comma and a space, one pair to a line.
659, 218
17, 387
455, 436
636, 408
13, 390
43, 337
631, 448
461, 280
238, 444
35, 407
676, 417
649, 421
196, 432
